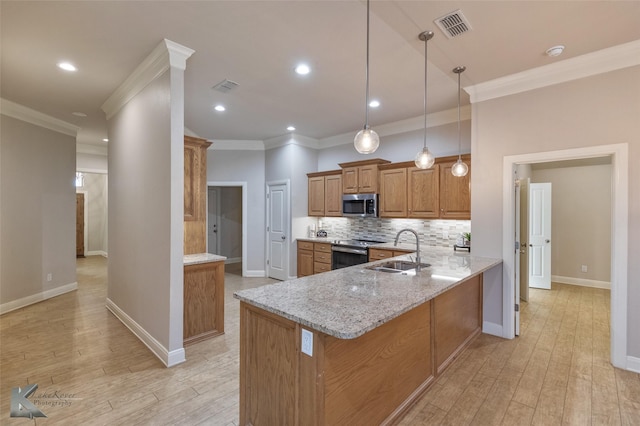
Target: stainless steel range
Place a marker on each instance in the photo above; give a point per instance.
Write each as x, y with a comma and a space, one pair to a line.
350, 252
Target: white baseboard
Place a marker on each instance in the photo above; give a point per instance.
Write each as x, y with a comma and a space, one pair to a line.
168, 358
97, 253
492, 328
233, 260
581, 282
38, 297
633, 364
256, 274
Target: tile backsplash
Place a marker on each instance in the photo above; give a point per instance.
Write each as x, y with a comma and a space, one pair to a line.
439, 233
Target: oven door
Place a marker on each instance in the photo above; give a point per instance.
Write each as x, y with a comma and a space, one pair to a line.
342, 257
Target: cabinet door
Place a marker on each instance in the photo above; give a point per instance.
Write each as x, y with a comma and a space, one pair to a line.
423, 192
455, 194
393, 193
379, 254
333, 195
191, 181
316, 196
305, 262
350, 180
368, 179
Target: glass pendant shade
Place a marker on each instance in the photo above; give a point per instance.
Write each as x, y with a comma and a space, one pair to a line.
366, 141
460, 168
425, 159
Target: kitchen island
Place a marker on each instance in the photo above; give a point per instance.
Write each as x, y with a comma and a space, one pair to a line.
355, 345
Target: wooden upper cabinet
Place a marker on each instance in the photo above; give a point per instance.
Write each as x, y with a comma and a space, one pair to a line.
316, 196
393, 193
195, 194
325, 193
455, 192
361, 177
333, 195
423, 194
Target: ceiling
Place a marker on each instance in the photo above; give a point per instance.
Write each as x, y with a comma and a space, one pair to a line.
258, 43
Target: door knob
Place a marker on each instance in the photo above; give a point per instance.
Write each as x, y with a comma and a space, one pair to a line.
283, 237
547, 241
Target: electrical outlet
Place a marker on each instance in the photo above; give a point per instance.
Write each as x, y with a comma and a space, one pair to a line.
49, 276
445, 234
584, 268
307, 342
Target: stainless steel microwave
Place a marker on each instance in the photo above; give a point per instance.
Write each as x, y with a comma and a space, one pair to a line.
360, 205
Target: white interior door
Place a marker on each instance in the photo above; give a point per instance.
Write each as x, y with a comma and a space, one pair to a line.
277, 227
523, 255
213, 214
516, 255
540, 235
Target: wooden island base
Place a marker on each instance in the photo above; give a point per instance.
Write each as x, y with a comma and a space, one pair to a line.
370, 380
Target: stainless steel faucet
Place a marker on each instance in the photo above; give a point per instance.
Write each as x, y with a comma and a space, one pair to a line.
417, 245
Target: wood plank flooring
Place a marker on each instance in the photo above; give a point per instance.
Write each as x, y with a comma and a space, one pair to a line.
94, 371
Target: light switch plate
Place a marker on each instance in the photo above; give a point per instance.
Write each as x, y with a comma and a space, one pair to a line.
307, 342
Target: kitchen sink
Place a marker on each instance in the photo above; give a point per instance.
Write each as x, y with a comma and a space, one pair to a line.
398, 266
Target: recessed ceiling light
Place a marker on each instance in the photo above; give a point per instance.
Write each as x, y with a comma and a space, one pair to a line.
105, 140
374, 104
67, 66
219, 108
303, 69
291, 128
79, 114
555, 50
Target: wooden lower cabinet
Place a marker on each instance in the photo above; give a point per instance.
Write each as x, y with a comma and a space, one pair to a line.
379, 254
305, 258
370, 380
203, 301
313, 258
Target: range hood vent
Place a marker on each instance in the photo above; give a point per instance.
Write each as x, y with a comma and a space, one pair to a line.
225, 86
453, 24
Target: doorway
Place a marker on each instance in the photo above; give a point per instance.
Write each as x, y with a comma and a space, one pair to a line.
227, 222
278, 230
619, 232
81, 223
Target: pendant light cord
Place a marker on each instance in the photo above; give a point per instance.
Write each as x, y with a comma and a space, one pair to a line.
425, 93
366, 101
459, 144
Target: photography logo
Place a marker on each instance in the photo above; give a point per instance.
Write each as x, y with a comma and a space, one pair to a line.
21, 406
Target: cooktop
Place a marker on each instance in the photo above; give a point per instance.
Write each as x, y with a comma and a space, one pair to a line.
356, 242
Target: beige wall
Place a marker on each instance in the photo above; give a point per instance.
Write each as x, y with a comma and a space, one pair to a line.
599, 110
580, 221
37, 219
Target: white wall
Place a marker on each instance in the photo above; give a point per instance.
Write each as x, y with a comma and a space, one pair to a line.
245, 166
37, 219
594, 111
91, 163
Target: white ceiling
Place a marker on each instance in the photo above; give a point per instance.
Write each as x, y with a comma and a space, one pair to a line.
258, 43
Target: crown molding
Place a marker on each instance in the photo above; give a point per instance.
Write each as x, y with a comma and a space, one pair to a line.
20, 112
598, 62
166, 54
236, 145
291, 139
83, 148
435, 119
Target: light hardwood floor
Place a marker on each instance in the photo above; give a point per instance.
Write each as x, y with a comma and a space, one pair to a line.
556, 373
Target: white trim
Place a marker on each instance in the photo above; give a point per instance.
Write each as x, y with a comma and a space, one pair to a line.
169, 359
581, 282
492, 328
97, 253
83, 148
88, 170
598, 62
633, 364
245, 206
291, 139
238, 145
254, 274
619, 236
165, 54
20, 112
38, 297
232, 260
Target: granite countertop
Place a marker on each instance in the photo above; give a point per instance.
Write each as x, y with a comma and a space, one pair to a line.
193, 259
347, 303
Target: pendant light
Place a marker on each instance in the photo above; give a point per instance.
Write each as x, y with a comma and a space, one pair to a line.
367, 140
459, 169
424, 158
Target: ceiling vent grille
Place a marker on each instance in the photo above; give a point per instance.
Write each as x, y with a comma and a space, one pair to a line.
225, 86
453, 24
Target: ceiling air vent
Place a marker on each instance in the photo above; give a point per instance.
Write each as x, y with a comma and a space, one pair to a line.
453, 24
225, 86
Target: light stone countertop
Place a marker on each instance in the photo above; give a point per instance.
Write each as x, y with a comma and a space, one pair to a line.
347, 303
193, 259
